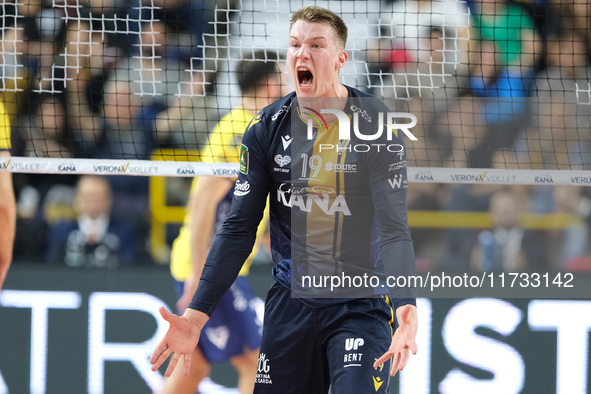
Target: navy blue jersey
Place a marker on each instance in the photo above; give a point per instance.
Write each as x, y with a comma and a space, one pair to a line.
336, 206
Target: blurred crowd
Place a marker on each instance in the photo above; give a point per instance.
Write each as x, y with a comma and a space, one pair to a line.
493, 83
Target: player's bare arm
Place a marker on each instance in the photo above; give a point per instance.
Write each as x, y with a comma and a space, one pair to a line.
7, 201
403, 341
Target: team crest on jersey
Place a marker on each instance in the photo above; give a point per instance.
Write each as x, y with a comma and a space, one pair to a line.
244, 159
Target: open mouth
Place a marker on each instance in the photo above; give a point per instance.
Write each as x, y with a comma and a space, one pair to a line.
305, 77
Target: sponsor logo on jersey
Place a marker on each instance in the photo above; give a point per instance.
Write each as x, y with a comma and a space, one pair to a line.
397, 182
263, 369
282, 110
397, 166
282, 160
305, 202
360, 111
244, 159
241, 188
353, 358
346, 167
353, 343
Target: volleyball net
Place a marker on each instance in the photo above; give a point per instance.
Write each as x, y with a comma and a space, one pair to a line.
136, 87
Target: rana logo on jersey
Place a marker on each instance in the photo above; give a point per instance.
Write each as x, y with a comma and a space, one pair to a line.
244, 159
328, 204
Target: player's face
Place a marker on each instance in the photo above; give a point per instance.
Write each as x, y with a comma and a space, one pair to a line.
314, 59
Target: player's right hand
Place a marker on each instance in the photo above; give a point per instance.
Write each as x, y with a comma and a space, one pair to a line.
180, 339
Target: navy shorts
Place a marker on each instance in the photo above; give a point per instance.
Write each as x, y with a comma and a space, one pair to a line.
307, 350
233, 326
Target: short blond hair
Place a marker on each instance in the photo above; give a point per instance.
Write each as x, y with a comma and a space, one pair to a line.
319, 14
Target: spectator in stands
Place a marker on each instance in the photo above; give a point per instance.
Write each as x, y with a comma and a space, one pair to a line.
413, 22
424, 45
579, 13
7, 202
46, 133
453, 131
122, 135
577, 237
508, 246
187, 17
95, 238
45, 31
505, 51
156, 77
561, 112
150, 71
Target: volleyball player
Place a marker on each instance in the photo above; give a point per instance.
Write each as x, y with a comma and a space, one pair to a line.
333, 218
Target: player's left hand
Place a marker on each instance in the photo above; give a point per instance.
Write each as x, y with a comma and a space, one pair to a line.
180, 339
403, 341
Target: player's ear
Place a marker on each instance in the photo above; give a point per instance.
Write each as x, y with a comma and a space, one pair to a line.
342, 58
